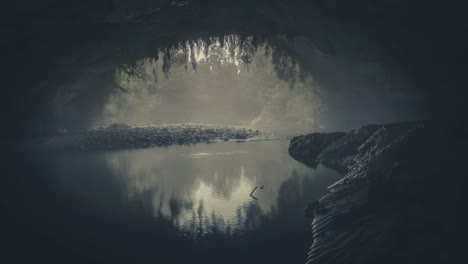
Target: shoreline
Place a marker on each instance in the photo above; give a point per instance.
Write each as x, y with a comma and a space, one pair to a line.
396, 177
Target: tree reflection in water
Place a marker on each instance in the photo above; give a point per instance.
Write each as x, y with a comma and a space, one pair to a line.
205, 201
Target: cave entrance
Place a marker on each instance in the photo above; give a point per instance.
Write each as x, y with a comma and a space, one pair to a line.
227, 80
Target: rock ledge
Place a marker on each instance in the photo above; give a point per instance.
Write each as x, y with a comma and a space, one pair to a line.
401, 197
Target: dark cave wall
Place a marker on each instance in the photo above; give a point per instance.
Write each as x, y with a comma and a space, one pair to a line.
419, 44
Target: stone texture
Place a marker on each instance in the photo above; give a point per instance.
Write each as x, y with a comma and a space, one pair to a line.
401, 199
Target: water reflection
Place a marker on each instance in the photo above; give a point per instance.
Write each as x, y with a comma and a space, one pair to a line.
200, 189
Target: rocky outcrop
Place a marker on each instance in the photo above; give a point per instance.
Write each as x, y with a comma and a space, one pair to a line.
121, 136
306, 148
401, 199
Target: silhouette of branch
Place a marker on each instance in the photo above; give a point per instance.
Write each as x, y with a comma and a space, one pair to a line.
120, 88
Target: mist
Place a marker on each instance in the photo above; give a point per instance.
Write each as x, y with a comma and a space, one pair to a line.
221, 89
231, 80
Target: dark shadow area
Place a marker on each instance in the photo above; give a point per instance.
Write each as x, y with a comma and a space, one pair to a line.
302, 65
76, 207
420, 47
402, 198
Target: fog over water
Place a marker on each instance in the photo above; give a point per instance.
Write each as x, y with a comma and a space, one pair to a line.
233, 80
221, 90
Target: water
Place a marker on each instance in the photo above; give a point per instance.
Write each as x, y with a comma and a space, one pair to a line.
169, 205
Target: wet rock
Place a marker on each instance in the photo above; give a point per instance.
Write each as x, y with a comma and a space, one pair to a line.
399, 179
313, 208
306, 148
122, 136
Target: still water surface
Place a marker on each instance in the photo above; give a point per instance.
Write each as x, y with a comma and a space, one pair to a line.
181, 204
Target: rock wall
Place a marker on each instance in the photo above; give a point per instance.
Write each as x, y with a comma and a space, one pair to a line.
402, 197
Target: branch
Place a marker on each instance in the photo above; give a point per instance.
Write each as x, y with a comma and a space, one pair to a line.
120, 88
